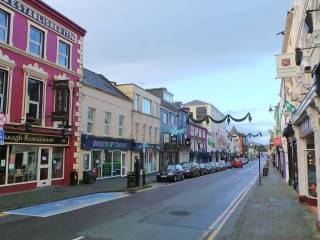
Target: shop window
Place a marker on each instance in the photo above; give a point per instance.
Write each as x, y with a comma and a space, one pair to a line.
96, 163
3, 90
64, 54
121, 126
3, 164
34, 101
310, 156
150, 162
123, 164
4, 26
22, 164
86, 161
90, 120
107, 165
116, 163
36, 41
57, 162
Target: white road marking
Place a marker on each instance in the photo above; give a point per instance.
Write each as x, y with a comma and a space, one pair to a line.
79, 238
222, 219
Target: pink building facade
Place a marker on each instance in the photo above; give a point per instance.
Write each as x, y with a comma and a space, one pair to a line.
41, 58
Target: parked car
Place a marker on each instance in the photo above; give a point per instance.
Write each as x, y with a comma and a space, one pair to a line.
203, 169
237, 163
191, 169
222, 165
173, 173
228, 165
217, 166
210, 167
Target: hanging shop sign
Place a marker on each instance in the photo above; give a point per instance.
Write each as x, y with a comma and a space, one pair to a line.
62, 100
89, 142
286, 65
39, 18
10, 137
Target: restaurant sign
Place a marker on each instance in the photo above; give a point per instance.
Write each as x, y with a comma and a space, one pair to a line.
10, 137
40, 18
89, 142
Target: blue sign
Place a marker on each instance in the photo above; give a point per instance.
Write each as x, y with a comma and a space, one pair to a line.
89, 142
1, 136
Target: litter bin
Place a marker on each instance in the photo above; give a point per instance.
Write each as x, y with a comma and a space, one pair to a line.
89, 177
74, 178
131, 180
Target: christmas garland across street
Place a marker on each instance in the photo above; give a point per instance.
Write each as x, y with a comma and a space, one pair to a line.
259, 134
227, 118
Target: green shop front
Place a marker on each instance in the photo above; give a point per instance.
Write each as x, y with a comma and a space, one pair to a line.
105, 156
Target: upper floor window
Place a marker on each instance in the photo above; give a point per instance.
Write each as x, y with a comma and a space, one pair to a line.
64, 54
165, 118
146, 106
173, 120
4, 26
36, 41
191, 130
90, 120
155, 134
144, 129
137, 128
168, 97
107, 123
3, 90
121, 125
150, 134
136, 102
34, 101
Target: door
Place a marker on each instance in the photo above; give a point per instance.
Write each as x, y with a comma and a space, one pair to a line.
44, 169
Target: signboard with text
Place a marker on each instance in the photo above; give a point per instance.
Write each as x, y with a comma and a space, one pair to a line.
286, 65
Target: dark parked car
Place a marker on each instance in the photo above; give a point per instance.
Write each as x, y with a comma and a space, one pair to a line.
203, 169
228, 165
210, 167
173, 173
191, 169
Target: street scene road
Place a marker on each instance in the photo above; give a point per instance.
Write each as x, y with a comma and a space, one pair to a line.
182, 210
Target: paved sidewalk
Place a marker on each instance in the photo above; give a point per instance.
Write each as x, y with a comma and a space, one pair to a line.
55, 193
274, 212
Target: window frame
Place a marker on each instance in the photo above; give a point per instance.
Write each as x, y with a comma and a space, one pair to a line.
40, 104
165, 118
136, 102
121, 125
107, 125
63, 162
68, 57
146, 106
43, 46
4, 95
8, 27
91, 121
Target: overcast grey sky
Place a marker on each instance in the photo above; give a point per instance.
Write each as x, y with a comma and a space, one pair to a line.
216, 51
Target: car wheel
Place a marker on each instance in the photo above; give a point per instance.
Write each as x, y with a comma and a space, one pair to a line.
175, 179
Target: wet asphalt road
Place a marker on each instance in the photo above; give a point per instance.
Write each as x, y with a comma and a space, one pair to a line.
183, 210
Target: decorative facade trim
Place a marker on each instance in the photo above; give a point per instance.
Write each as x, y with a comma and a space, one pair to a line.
36, 71
6, 61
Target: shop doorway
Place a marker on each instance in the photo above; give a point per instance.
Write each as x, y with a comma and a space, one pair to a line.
44, 170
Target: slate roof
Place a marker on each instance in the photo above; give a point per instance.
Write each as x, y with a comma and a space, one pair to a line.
100, 82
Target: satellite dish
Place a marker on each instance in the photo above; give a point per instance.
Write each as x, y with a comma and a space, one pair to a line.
298, 57
308, 23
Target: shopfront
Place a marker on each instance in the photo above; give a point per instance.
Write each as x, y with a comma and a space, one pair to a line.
106, 157
150, 155
31, 159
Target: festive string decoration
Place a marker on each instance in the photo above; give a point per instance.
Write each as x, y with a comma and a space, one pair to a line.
227, 118
259, 134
